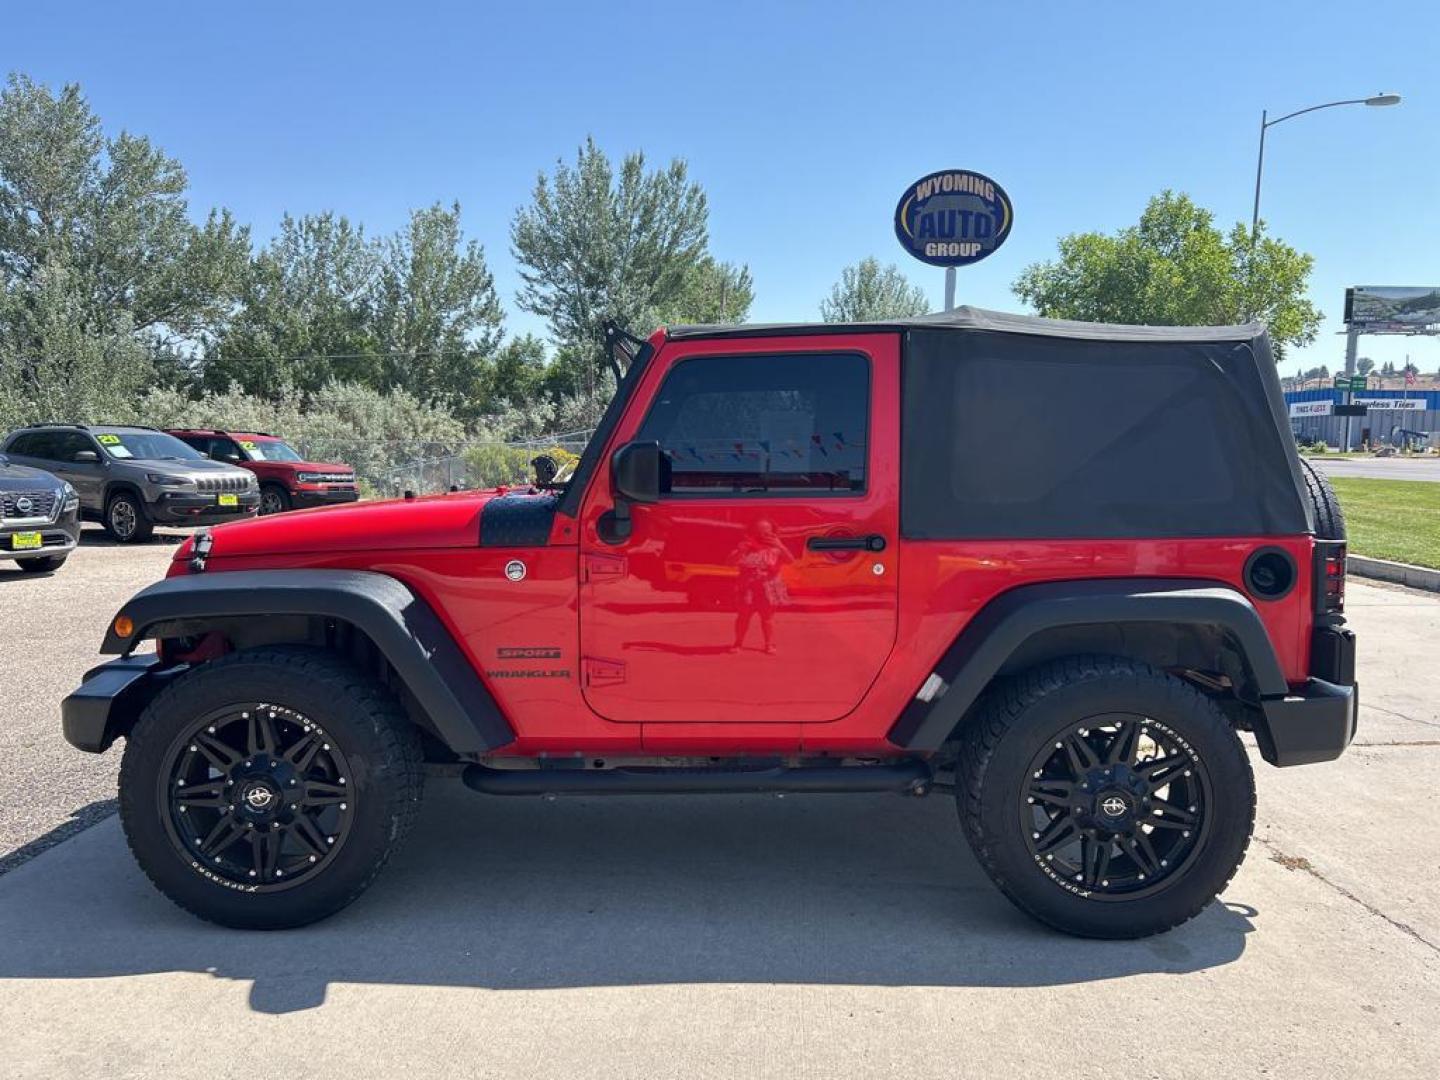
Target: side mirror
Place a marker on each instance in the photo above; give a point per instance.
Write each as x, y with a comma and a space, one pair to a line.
636, 469
86, 457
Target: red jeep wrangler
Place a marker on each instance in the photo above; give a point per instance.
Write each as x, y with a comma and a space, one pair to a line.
287, 480
1052, 567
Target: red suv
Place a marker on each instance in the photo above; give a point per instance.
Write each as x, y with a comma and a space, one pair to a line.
287, 480
1052, 568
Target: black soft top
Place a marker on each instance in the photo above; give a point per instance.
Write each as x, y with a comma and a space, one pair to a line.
973, 318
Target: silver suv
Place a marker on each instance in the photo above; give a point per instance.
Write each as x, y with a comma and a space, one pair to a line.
134, 478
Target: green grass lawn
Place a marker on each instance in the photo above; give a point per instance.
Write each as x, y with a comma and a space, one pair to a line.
1392, 519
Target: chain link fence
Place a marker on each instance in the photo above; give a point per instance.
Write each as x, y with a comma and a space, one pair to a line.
389, 468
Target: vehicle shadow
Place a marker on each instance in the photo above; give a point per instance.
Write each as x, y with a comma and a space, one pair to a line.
96, 536
525, 894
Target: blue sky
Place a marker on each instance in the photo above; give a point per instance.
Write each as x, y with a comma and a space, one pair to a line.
804, 122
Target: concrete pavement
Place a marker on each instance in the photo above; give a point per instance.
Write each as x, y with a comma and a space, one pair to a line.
758, 937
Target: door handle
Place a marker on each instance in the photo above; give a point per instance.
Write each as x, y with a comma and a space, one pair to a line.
873, 542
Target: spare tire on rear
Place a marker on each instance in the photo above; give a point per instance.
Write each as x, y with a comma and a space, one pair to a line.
1324, 506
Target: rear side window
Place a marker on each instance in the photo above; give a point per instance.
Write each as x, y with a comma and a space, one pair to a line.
35, 444
778, 424
1029, 437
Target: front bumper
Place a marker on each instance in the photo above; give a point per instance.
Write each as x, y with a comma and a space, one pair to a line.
110, 699
181, 508
57, 537
1318, 721
310, 497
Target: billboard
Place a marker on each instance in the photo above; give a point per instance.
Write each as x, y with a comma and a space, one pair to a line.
1388, 309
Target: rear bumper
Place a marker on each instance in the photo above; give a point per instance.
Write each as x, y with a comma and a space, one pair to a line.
110, 699
1317, 721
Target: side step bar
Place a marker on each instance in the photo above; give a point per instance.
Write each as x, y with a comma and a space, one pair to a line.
906, 778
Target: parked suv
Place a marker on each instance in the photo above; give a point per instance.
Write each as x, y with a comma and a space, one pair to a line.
134, 478
39, 517
287, 480
1069, 631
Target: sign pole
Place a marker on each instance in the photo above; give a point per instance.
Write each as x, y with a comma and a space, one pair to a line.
1352, 343
949, 288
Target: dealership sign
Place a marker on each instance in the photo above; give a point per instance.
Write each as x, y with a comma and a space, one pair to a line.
1312, 408
953, 218
1415, 404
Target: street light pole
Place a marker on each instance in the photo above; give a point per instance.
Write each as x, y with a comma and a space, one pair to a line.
1266, 123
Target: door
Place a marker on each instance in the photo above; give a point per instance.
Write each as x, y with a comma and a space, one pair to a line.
88, 478
761, 586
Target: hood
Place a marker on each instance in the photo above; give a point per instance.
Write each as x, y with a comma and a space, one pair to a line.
187, 466
309, 466
433, 521
24, 478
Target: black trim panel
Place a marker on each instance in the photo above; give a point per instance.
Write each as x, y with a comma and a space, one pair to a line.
1008, 621
518, 519
1316, 724
403, 627
109, 700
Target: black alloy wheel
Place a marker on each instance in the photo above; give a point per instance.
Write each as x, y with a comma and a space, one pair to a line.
267, 789
259, 795
1118, 805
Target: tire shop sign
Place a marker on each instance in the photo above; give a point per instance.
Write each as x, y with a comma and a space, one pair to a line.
953, 218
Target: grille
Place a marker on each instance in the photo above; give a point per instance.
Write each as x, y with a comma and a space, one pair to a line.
334, 478
222, 483
41, 505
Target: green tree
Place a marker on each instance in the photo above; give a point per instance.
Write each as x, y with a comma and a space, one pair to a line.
53, 368
1176, 268
98, 228
1364, 365
869, 292
593, 245
324, 303
714, 293
437, 310
306, 314
112, 212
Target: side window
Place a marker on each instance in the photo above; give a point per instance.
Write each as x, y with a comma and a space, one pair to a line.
69, 443
41, 444
763, 424
222, 449
25, 445
196, 442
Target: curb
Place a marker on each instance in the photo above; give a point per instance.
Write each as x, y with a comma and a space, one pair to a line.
1416, 577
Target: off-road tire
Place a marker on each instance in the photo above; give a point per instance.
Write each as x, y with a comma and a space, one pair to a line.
1016, 720
274, 499
121, 504
1329, 518
43, 565
357, 713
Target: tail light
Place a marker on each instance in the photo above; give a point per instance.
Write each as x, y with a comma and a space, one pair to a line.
1329, 577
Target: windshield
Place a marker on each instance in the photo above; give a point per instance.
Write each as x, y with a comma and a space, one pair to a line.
146, 445
269, 450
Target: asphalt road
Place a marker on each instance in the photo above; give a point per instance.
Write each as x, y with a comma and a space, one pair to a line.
721, 937
1395, 468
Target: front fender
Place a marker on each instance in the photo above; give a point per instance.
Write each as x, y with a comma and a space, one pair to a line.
402, 626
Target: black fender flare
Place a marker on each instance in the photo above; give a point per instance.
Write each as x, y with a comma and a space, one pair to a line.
1003, 625
403, 627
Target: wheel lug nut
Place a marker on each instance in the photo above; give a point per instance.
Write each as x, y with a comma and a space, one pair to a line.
342, 806
312, 858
